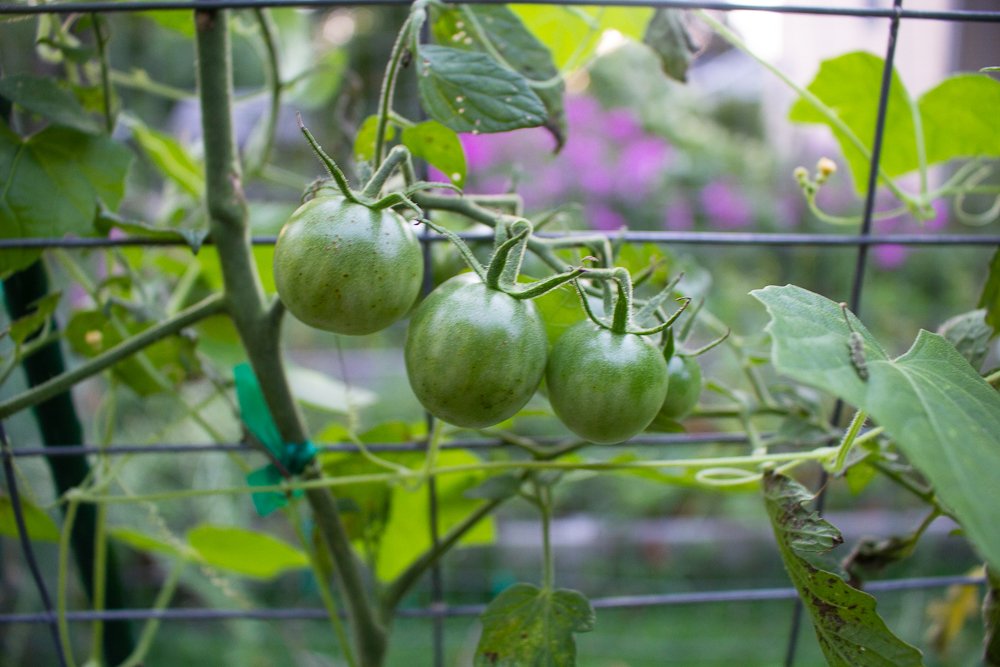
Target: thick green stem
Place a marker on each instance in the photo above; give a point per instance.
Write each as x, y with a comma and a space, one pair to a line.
257, 328
389, 88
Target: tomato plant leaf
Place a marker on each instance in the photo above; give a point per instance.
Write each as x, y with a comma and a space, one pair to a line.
244, 552
23, 327
364, 142
939, 411
40, 525
970, 335
848, 628
990, 296
527, 625
471, 92
956, 116
52, 183
48, 99
572, 33
169, 157
497, 31
322, 392
669, 38
147, 543
439, 146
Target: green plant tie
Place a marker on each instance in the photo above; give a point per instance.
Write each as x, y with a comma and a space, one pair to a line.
256, 416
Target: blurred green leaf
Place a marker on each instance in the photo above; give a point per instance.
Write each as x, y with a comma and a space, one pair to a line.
364, 142
469, 91
40, 525
245, 552
45, 97
23, 327
169, 156
323, 392
669, 38
939, 411
316, 86
957, 116
572, 33
990, 296
848, 628
52, 183
439, 146
970, 335
527, 625
146, 543
560, 309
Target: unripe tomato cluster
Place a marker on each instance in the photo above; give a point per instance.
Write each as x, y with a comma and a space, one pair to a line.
475, 354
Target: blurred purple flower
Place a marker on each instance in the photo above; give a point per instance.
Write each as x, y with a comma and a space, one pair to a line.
679, 216
604, 218
725, 207
889, 257
640, 166
621, 126
583, 111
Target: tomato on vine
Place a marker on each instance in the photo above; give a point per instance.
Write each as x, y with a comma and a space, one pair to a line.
607, 382
684, 375
476, 347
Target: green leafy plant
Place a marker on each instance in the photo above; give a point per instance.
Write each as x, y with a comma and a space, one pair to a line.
370, 523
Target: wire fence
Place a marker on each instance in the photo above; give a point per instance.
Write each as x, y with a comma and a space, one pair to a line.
439, 610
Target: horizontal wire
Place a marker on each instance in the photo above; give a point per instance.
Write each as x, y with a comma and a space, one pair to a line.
414, 446
690, 238
189, 5
615, 602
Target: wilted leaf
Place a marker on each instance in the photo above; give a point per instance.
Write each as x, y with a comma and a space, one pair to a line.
970, 335
669, 38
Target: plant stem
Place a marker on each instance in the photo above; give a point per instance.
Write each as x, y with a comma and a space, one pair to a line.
102, 56
389, 88
153, 624
62, 382
850, 436
548, 561
253, 318
272, 82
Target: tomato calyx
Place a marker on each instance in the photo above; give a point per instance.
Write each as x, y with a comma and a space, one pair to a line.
622, 316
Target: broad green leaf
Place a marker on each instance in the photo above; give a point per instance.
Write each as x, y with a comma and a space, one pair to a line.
245, 552
143, 542
471, 92
323, 392
989, 298
23, 327
937, 409
40, 525
169, 156
572, 33
364, 142
849, 84
957, 116
497, 31
52, 183
48, 99
439, 146
560, 309
669, 38
527, 625
848, 628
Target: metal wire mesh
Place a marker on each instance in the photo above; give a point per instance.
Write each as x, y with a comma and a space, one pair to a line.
438, 610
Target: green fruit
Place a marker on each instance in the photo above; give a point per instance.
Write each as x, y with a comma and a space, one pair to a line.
474, 355
685, 387
605, 387
343, 267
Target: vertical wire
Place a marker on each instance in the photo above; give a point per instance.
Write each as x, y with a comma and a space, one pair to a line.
860, 265
29, 553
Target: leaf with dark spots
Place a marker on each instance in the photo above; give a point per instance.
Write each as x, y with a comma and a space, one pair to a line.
849, 630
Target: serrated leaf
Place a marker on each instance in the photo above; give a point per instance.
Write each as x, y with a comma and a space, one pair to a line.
40, 525
848, 629
989, 298
572, 33
244, 552
527, 625
956, 116
669, 38
143, 542
46, 98
170, 157
937, 409
495, 29
364, 142
439, 146
52, 183
23, 327
471, 92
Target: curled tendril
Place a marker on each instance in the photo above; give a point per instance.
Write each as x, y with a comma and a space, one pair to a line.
727, 477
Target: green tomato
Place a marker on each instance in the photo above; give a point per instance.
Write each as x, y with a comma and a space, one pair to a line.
605, 387
474, 355
685, 387
343, 267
